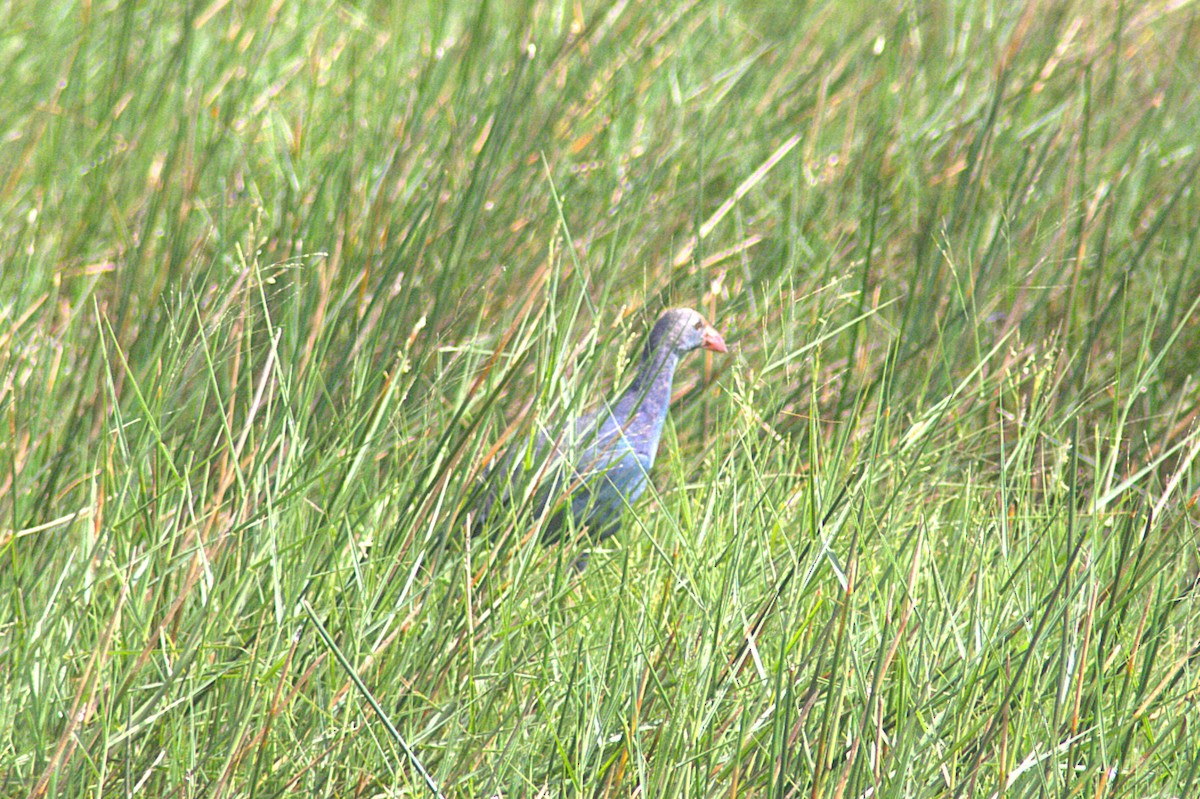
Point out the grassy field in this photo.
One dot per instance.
(278, 277)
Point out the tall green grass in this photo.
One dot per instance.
(278, 280)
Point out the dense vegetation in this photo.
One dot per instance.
(279, 278)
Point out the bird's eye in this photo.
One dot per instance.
(699, 324)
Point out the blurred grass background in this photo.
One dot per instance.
(277, 277)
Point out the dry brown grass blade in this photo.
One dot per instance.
(684, 253)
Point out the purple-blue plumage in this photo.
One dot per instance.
(600, 463)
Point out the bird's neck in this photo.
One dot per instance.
(650, 390)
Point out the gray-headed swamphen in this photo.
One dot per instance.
(597, 465)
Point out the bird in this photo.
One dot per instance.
(599, 463)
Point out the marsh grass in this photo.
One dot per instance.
(280, 280)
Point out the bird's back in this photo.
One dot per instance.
(592, 469)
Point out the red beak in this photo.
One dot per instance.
(710, 339)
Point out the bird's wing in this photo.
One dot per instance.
(595, 461)
(536, 464)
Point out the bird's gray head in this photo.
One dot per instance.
(683, 330)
